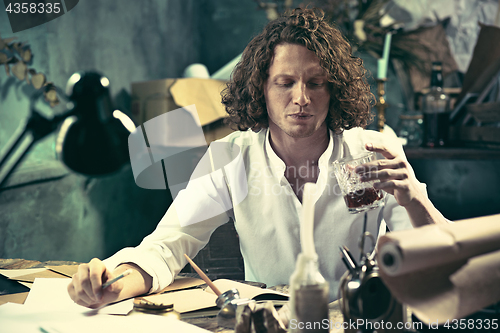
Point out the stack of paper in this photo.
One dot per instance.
(48, 308)
(17, 318)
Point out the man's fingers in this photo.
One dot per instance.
(77, 292)
(88, 282)
(373, 166)
(96, 272)
(85, 287)
(384, 175)
(84, 290)
(74, 296)
(380, 148)
(84, 300)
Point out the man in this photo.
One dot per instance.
(299, 98)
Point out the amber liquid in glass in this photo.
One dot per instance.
(362, 197)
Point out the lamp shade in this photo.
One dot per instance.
(92, 141)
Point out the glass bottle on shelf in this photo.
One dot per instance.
(410, 129)
(436, 110)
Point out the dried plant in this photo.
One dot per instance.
(360, 21)
(17, 57)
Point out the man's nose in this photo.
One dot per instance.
(301, 97)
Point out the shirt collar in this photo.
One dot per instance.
(276, 164)
(278, 167)
(327, 154)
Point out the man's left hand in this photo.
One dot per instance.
(395, 174)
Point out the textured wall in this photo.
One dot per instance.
(126, 40)
(228, 26)
(50, 213)
(70, 217)
(461, 188)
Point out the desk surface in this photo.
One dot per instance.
(22, 263)
(208, 323)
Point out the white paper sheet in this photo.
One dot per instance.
(49, 308)
(128, 324)
(17, 318)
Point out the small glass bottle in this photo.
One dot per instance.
(436, 110)
(309, 291)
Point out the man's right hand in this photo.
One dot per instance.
(86, 285)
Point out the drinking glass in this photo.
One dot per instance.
(359, 196)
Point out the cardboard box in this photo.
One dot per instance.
(153, 98)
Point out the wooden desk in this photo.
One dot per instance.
(22, 263)
(208, 323)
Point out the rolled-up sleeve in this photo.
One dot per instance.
(185, 228)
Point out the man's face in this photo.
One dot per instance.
(296, 92)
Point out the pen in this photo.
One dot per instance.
(348, 256)
(362, 244)
(122, 275)
(346, 263)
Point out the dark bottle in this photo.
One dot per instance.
(436, 110)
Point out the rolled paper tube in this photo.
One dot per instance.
(391, 258)
(443, 272)
(434, 245)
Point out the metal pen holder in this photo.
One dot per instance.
(228, 302)
(366, 301)
(381, 104)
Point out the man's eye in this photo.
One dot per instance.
(285, 84)
(316, 84)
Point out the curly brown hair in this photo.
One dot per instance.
(350, 96)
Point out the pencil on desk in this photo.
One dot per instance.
(122, 275)
(203, 276)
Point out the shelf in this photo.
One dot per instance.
(452, 153)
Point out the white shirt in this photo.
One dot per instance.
(266, 212)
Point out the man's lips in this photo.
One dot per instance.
(301, 116)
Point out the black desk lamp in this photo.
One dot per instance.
(93, 138)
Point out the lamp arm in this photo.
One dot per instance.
(35, 128)
(17, 147)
